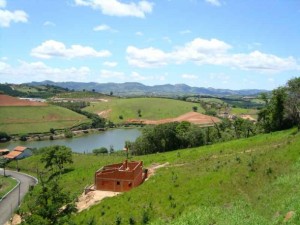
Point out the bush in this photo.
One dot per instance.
(4, 137)
(23, 137)
(102, 150)
(68, 134)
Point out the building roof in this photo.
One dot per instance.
(12, 154)
(20, 148)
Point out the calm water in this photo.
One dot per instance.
(115, 137)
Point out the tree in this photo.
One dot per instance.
(101, 150)
(293, 101)
(195, 108)
(56, 157)
(47, 204)
(111, 93)
(3, 163)
(4, 136)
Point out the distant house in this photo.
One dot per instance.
(120, 177)
(18, 153)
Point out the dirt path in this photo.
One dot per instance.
(104, 113)
(85, 201)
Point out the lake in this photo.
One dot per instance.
(114, 137)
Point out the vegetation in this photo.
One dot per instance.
(246, 181)
(283, 109)
(4, 136)
(99, 151)
(48, 203)
(23, 90)
(150, 108)
(23, 119)
(6, 184)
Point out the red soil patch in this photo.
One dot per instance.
(192, 117)
(6, 100)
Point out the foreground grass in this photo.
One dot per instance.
(6, 184)
(151, 108)
(37, 119)
(247, 181)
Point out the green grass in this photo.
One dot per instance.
(212, 100)
(151, 108)
(6, 184)
(240, 111)
(82, 94)
(247, 181)
(26, 119)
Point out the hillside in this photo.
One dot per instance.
(121, 110)
(138, 89)
(246, 181)
(37, 119)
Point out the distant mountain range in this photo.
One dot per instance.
(138, 89)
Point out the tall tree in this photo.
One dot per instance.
(293, 101)
(56, 157)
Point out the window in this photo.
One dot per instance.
(118, 182)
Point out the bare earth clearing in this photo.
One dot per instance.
(192, 117)
(6, 100)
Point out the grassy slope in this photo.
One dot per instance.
(151, 108)
(248, 181)
(82, 94)
(17, 120)
(6, 184)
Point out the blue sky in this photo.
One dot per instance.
(205, 43)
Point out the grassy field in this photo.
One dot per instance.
(6, 184)
(19, 119)
(246, 181)
(83, 94)
(240, 111)
(151, 108)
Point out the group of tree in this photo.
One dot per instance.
(175, 135)
(48, 203)
(282, 110)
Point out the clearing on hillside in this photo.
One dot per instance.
(6, 100)
(192, 117)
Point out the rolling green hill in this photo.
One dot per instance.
(37, 119)
(246, 181)
(150, 108)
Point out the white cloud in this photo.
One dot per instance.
(138, 33)
(39, 71)
(2, 3)
(185, 32)
(51, 48)
(110, 64)
(138, 77)
(117, 8)
(148, 57)
(49, 24)
(104, 27)
(209, 52)
(189, 76)
(112, 74)
(167, 39)
(214, 2)
(7, 17)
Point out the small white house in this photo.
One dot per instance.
(18, 153)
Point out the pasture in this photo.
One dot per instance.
(37, 119)
(120, 110)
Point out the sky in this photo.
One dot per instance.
(230, 44)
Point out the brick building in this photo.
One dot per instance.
(120, 177)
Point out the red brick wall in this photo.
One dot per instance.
(119, 180)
